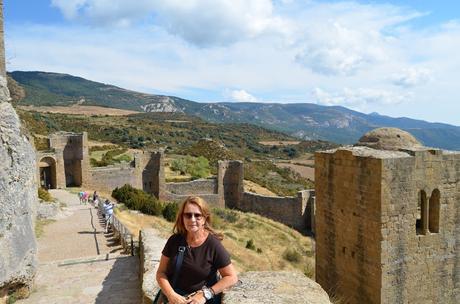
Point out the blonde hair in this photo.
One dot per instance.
(179, 226)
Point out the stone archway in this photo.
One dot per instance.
(47, 167)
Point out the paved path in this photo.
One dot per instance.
(79, 263)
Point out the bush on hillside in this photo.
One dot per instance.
(292, 255)
(197, 167)
(179, 165)
(170, 211)
(137, 199)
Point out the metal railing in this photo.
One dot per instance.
(120, 231)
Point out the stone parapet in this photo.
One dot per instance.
(196, 187)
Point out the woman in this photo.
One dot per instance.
(204, 255)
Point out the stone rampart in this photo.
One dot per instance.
(291, 211)
(108, 178)
(212, 199)
(196, 187)
(253, 287)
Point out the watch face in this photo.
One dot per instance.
(207, 294)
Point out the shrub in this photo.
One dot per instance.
(44, 195)
(250, 244)
(137, 199)
(179, 165)
(170, 211)
(227, 215)
(292, 255)
(196, 167)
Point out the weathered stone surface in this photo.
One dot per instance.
(387, 224)
(47, 210)
(275, 287)
(18, 196)
(151, 246)
(389, 139)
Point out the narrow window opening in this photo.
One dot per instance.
(434, 210)
(421, 223)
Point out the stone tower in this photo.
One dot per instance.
(388, 221)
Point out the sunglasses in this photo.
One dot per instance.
(189, 215)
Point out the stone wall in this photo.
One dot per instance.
(291, 211)
(421, 256)
(197, 187)
(106, 179)
(18, 194)
(347, 228)
(387, 225)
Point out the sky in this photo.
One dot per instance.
(396, 58)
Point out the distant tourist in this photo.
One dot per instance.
(95, 198)
(108, 211)
(85, 197)
(80, 196)
(203, 255)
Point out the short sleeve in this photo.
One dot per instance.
(171, 246)
(221, 257)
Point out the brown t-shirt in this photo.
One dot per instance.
(200, 263)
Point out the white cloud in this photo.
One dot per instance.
(200, 22)
(360, 98)
(240, 96)
(359, 56)
(411, 77)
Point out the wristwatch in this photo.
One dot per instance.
(207, 293)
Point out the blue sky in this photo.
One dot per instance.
(397, 58)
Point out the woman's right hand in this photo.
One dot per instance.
(176, 298)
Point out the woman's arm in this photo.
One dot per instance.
(229, 278)
(164, 284)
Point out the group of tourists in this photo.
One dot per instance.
(107, 207)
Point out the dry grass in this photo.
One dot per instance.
(270, 238)
(279, 143)
(79, 110)
(40, 226)
(304, 171)
(255, 188)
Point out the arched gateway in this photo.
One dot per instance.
(47, 166)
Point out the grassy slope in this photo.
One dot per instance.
(271, 237)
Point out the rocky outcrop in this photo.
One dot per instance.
(18, 196)
(275, 287)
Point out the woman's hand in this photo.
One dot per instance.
(176, 298)
(197, 298)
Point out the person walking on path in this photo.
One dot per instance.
(80, 196)
(108, 211)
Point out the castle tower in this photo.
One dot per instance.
(72, 154)
(230, 182)
(151, 175)
(388, 221)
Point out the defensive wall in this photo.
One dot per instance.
(388, 221)
(66, 163)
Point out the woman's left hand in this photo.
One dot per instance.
(198, 298)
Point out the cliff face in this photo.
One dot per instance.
(18, 193)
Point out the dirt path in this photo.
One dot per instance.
(79, 263)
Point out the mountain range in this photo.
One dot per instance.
(302, 120)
